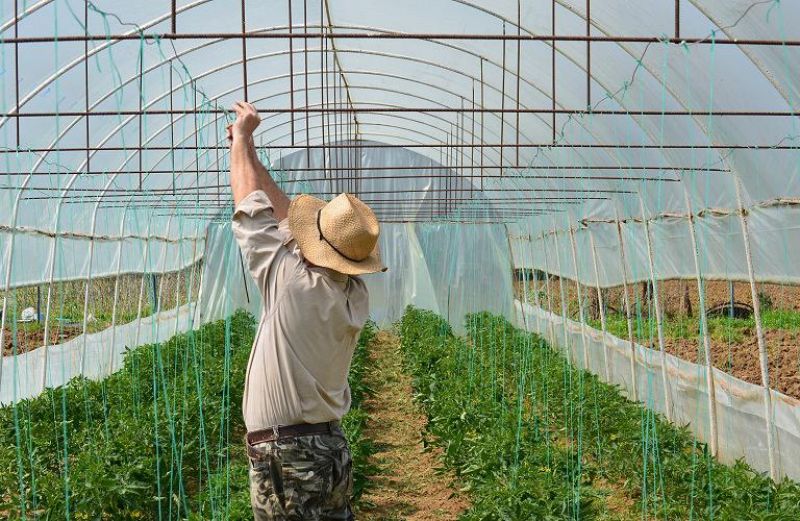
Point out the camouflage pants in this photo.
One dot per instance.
(304, 478)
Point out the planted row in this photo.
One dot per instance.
(535, 438)
(160, 439)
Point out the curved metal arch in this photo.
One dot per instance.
(490, 61)
(224, 66)
(169, 60)
(358, 87)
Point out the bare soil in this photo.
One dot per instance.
(741, 359)
(411, 483)
(28, 340)
(679, 297)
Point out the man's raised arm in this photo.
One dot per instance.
(247, 172)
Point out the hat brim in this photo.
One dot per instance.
(303, 225)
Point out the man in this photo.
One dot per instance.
(305, 257)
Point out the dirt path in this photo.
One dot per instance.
(410, 484)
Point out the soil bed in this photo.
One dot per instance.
(410, 484)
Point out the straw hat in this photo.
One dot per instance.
(341, 235)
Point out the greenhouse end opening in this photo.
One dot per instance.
(423, 260)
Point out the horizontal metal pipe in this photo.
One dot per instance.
(356, 110)
(377, 177)
(205, 190)
(344, 168)
(191, 198)
(399, 36)
(8, 150)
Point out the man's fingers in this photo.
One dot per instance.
(251, 107)
(238, 107)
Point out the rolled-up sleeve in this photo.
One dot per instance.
(262, 243)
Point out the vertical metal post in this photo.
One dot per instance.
(731, 298)
(524, 292)
(483, 126)
(513, 268)
(154, 282)
(600, 305)
(305, 80)
(10, 254)
(291, 71)
(116, 292)
(713, 441)
(548, 293)
(628, 314)
(657, 305)
(580, 297)
(536, 300)
(564, 309)
(519, 72)
(553, 70)
(763, 357)
(588, 55)
(503, 105)
(244, 51)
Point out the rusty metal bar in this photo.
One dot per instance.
(440, 199)
(553, 68)
(305, 79)
(403, 36)
(291, 71)
(611, 168)
(483, 126)
(588, 55)
(677, 19)
(431, 110)
(358, 145)
(171, 130)
(141, 116)
(86, 92)
(325, 150)
(518, 73)
(472, 137)
(173, 16)
(503, 102)
(244, 37)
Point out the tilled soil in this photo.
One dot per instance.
(409, 485)
(742, 361)
(30, 340)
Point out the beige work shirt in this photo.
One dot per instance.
(309, 326)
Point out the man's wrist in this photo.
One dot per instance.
(241, 136)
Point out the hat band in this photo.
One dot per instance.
(323, 238)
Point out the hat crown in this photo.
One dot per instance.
(350, 226)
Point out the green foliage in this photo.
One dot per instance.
(161, 438)
(534, 438)
(722, 329)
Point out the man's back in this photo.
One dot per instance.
(312, 317)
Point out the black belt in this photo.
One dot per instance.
(283, 432)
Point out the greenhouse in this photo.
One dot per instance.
(589, 211)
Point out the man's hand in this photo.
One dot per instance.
(247, 172)
(247, 120)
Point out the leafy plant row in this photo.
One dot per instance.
(532, 437)
(160, 439)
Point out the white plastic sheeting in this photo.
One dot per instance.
(740, 409)
(93, 356)
(424, 271)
